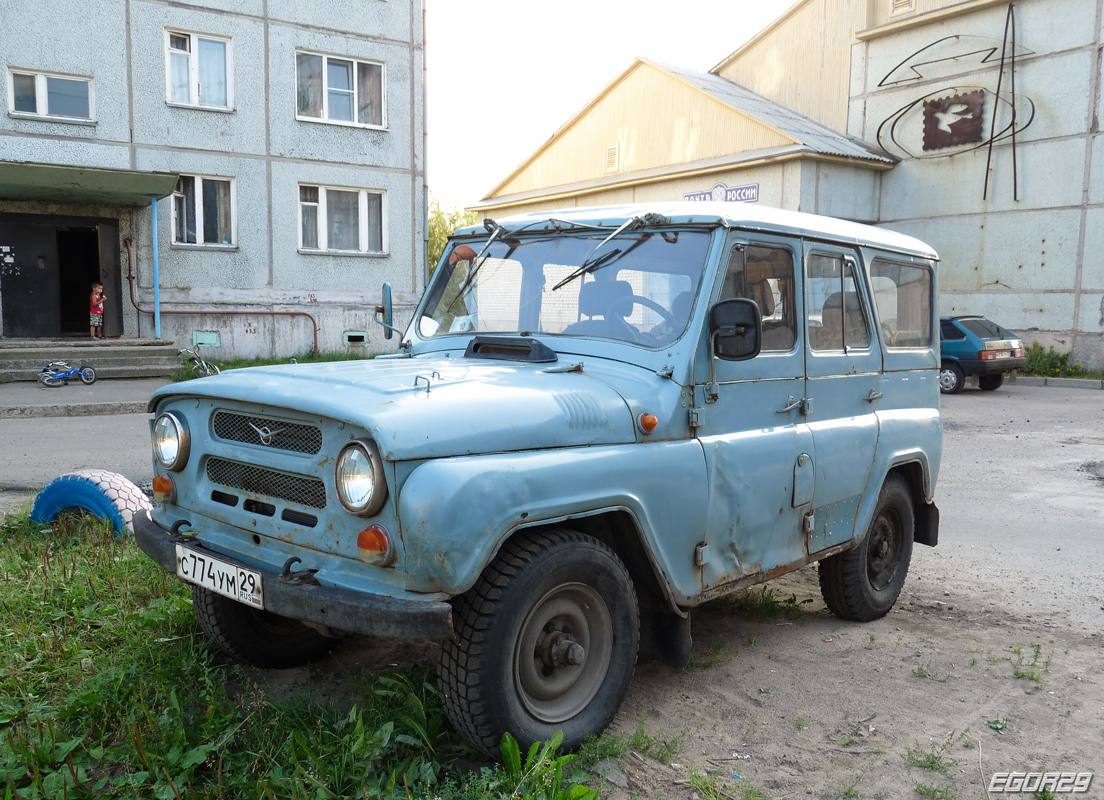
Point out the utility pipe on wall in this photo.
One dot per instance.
(156, 275)
(129, 244)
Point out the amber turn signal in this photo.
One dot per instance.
(374, 545)
(648, 422)
(164, 490)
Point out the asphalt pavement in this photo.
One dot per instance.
(47, 432)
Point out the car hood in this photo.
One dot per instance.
(433, 407)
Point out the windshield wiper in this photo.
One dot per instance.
(496, 231)
(590, 265)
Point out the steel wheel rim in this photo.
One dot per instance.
(947, 379)
(571, 613)
(884, 549)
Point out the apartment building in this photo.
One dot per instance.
(246, 173)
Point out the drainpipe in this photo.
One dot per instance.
(209, 311)
(156, 276)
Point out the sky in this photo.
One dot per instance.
(503, 75)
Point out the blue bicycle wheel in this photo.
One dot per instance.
(107, 495)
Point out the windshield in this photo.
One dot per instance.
(638, 288)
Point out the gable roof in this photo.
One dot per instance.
(807, 134)
(816, 137)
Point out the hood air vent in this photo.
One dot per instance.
(509, 348)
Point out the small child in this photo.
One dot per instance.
(95, 319)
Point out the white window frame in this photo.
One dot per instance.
(199, 243)
(362, 211)
(42, 101)
(194, 93)
(325, 118)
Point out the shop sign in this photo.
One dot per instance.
(749, 193)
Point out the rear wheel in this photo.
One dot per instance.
(257, 637)
(51, 380)
(864, 583)
(951, 378)
(991, 382)
(87, 375)
(546, 641)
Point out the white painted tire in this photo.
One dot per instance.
(106, 494)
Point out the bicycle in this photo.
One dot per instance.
(197, 363)
(59, 373)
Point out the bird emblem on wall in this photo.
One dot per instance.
(955, 120)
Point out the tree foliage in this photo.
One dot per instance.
(442, 222)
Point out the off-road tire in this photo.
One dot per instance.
(991, 382)
(951, 378)
(87, 375)
(105, 494)
(482, 672)
(853, 585)
(257, 637)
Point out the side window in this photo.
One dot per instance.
(765, 275)
(903, 296)
(951, 332)
(834, 308)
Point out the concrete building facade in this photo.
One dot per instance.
(283, 142)
(972, 124)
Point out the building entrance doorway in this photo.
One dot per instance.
(47, 267)
(78, 268)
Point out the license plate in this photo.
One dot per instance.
(237, 583)
(1003, 354)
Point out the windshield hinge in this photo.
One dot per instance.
(693, 418)
(667, 373)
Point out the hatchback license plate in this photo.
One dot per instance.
(1003, 354)
(243, 585)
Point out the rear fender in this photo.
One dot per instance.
(456, 512)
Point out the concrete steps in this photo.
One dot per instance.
(23, 359)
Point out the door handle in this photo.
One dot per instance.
(874, 395)
(790, 406)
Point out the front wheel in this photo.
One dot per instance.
(257, 637)
(864, 583)
(951, 378)
(546, 641)
(992, 382)
(87, 375)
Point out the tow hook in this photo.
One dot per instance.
(304, 577)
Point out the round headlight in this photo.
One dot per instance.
(359, 480)
(170, 442)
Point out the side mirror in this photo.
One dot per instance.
(385, 310)
(735, 329)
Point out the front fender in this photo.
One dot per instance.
(455, 513)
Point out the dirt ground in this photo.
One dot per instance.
(928, 696)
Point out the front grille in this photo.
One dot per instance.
(275, 433)
(295, 488)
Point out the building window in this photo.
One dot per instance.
(901, 6)
(203, 211)
(341, 220)
(339, 90)
(42, 94)
(198, 70)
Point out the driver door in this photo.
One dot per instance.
(757, 445)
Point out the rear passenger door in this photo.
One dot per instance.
(843, 366)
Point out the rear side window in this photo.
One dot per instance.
(903, 297)
(985, 329)
(835, 310)
(949, 331)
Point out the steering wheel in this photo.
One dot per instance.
(647, 302)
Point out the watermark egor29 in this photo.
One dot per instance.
(1056, 782)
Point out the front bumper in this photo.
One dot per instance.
(341, 609)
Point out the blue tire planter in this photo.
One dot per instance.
(107, 495)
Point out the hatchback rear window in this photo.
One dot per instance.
(985, 329)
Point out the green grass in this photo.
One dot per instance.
(764, 605)
(108, 689)
(241, 363)
(935, 792)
